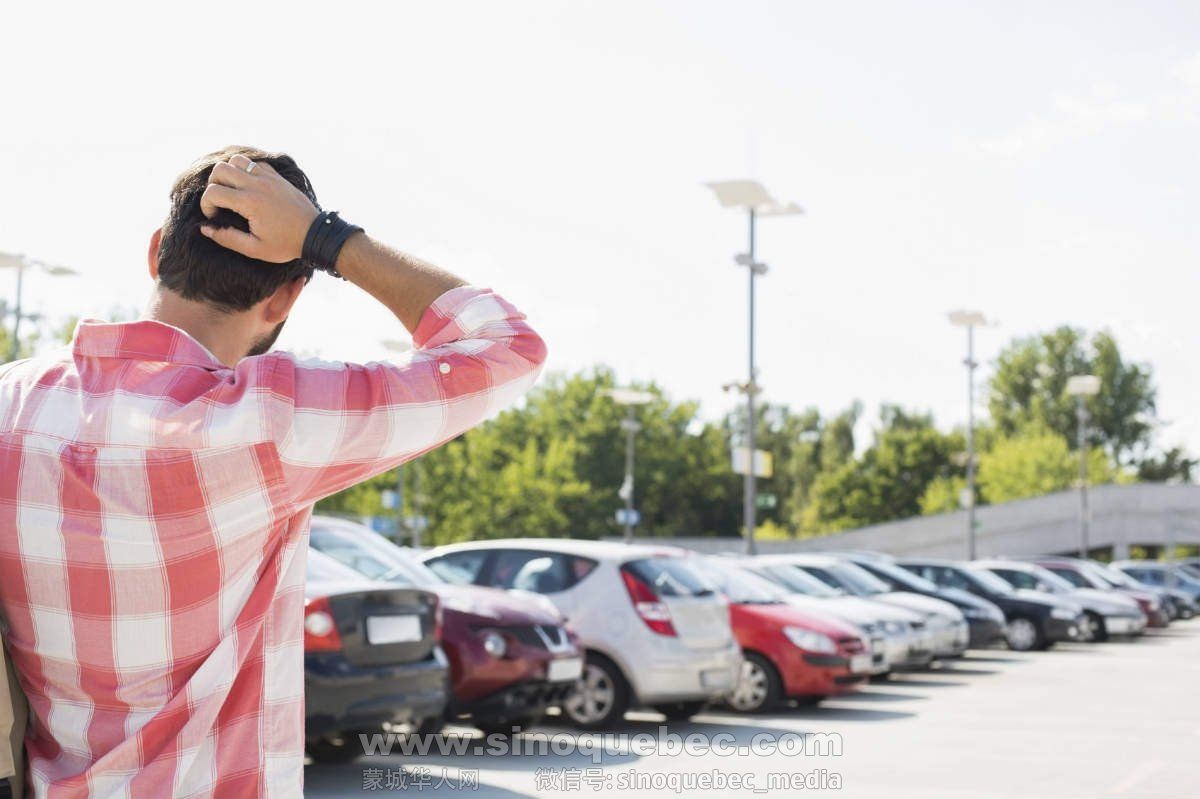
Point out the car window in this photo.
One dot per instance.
(1150, 576)
(741, 586)
(326, 569)
(983, 581)
(897, 578)
(539, 572)
(796, 580)
(1017, 578)
(669, 576)
(823, 575)
(1073, 577)
(462, 568)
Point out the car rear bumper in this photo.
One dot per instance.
(985, 633)
(340, 696)
(688, 675)
(515, 701)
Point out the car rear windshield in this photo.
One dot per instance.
(1071, 576)
(669, 576)
(742, 587)
(859, 580)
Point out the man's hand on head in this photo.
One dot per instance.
(279, 214)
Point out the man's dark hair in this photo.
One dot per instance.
(196, 267)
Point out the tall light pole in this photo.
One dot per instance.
(1081, 387)
(751, 197)
(630, 398)
(21, 263)
(970, 320)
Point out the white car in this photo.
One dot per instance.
(945, 624)
(655, 632)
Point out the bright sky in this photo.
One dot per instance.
(1036, 160)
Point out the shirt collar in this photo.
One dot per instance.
(143, 340)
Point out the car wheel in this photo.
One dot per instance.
(681, 711)
(1094, 630)
(332, 751)
(758, 687)
(1024, 635)
(522, 723)
(1186, 612)
(600, 697)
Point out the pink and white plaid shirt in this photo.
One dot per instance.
(154, 509)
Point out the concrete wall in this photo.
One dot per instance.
(1122, 516)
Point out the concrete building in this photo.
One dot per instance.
(1148, 515)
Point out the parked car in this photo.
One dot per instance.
(1170, 577)
(1178, 604)
(1033, 620)
(511, 657)
(1105, 613)
(985, 621)
(371, 658)
(1090, 574)
(653, 630)
(943, 621)
(898, 637)
(789, 653)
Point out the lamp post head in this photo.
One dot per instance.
(964, 318)
(630, 396)
(1083, 385)
(751, 196)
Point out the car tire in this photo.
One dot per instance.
(1024, 635)
(810, 700)
(335, 750)
(1097, 631)
(758, 688)
(681, 711)
(522, 723)
(600, 697)
(1185, 613)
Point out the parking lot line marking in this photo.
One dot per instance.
(1144, 770)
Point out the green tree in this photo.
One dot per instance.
(890, 478)
(1037, 463)
(1029, 389)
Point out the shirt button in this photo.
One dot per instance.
(444, 368)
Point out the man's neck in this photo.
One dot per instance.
(217, 332)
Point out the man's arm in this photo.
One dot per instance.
(335, 424)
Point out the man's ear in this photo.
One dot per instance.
(152, 255)
(277, 307)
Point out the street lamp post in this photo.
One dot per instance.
(630, 398)
(21, 263)
(970, 320)
(1081, 387)
(751, 197)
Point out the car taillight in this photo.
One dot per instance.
(654, 611)
(320, 629)
(437, 619)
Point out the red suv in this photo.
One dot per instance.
(789, 653)
(511, 657)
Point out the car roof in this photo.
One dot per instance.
(1141, 564)
(597, 550)
(802, 558)
(1002, 563)
(931, 562)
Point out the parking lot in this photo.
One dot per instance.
(1118, 719)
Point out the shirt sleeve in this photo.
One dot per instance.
(473, 355)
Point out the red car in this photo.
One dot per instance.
(511, 657)
(789, 653)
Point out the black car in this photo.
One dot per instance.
(984, 619)
(1033, 620)
(371, 658)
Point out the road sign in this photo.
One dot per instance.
(764, 465)
(388, 498)
(629, 517)
(767, 501)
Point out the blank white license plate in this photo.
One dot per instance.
(716, 678)
(564, 669)
(393, 629)
(860, 663)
